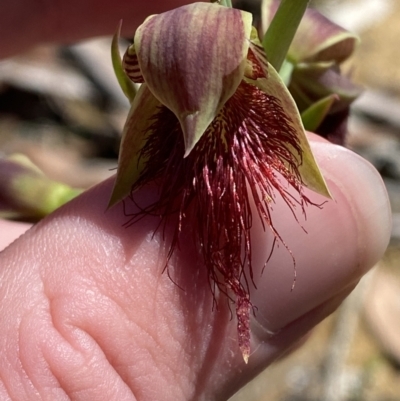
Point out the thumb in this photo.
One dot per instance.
(88, 314)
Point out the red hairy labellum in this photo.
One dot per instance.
(243, 159)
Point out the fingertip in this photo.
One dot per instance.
(362, 186)
(330, 248)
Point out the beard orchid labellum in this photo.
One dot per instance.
(215, 127)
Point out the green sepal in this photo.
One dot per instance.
(130, 164)
(314, 116)
(127, 86)
(273, 85)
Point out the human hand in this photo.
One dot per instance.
(88, 315)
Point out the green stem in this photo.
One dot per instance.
(226, 3)
(282, 29)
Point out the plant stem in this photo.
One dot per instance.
(282, 29)
(226, 3)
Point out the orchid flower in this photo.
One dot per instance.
(313, 74)
(216, 128)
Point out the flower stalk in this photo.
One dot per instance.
(226, 3)
(281, 31)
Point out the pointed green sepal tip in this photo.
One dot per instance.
(308, 169)
(193, 59)
(273, 85)
(125, 83)
(130, 164)
(192, 130)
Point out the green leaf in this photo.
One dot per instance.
(125, 83)
(281, 31)
(137, 125)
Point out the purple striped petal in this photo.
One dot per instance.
(193, 59)
(131, 65)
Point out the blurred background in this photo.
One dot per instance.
(63, 109)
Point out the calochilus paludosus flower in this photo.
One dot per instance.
(214, 126)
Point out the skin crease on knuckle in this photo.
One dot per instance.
(36, 355)
(46, 357)
(57, 341)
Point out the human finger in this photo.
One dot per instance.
(104, 321)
